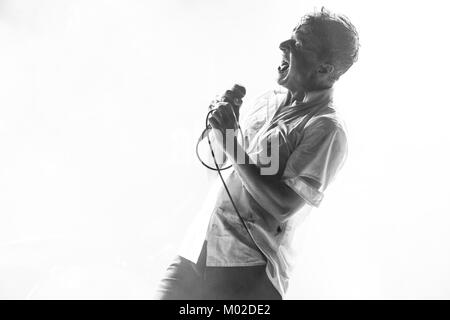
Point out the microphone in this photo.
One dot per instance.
(234, 96)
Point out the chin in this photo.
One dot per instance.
(284, 82)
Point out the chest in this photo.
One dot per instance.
(269, 140)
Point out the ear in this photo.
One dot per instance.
(325, 69)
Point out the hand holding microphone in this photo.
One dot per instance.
(224, 112)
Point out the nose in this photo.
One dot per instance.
(286, 45)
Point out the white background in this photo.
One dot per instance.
(100, 106)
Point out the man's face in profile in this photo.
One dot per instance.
(299, 61)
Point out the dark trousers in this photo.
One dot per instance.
(185, 280)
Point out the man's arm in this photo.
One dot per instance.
(311, 166)
(271, 193)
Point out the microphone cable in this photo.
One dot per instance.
(219, 170)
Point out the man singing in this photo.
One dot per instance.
(246, 252)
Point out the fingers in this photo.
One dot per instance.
(216, 117)
(214, 123)
(215, 104)
(223, 117)
(218, 104)
(223, 111)
(227, 111)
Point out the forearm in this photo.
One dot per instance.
(268, 190)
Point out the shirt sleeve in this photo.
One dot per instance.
(318, 157)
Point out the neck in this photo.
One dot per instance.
(300, 93)
(297, 95)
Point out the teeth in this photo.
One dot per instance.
(284, 66)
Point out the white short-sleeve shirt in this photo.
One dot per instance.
(312, 145)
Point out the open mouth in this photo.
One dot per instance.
(284, 66)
